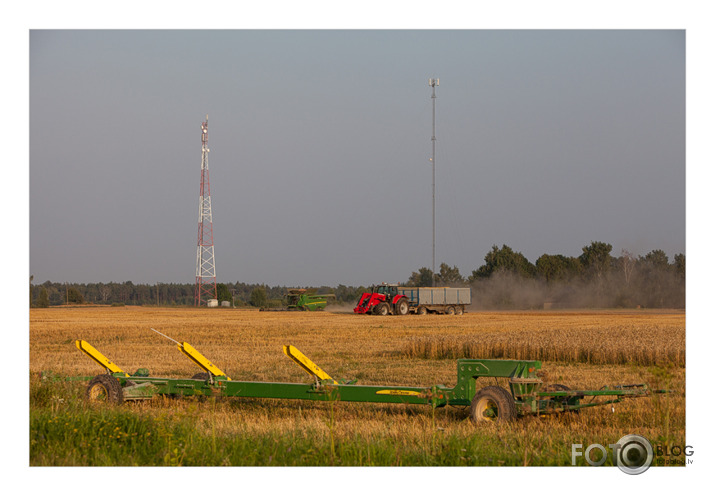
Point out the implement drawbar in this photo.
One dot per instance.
(526, 394)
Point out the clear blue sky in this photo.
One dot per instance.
(320, 146)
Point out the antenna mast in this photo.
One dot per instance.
(205, 265)
(433, 83)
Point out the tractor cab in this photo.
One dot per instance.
(390, 291)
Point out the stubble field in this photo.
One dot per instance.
(584, 350)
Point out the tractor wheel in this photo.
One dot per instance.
(402, 307)
(421, 310)
(449, 310)
(104, 388)
(492, 404)
(202, 376)
(382, 309)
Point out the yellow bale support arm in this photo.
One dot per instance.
(306, 364)
(200, 360)
(95, 355)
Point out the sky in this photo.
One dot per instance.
(320, 146)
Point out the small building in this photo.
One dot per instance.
(212, 303)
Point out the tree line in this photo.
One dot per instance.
(506, 280)
(596, 278)
(171, 294)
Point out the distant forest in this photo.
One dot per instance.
(507, 280)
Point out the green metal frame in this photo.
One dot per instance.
(524, 385)
(307, 302)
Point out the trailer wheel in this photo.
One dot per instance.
(104, 388)
(460, 310)
(492, 404)
(382, 309)
(421, 310)
(402, 307)
(449, 310)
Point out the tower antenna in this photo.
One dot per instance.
(433, 83)
(205, 264)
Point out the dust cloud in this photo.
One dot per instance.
(509, 291)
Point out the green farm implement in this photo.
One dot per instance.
(299, 299)
(474, 388)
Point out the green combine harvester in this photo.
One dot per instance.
(299, 299)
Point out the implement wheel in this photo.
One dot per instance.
(492, 404)
(402, 307)
(421, 310)
(104, 389)
(449, 310)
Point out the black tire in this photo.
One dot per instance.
(449, 310)
(104, 388)
(460, 310)
(402, 307)
(202, 376)
(382, 309)
(492, 404)
(421, 311)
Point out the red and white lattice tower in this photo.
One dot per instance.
(205, 264)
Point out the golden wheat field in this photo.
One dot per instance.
(584, 350)
(247, 344)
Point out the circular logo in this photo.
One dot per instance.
(634, 455)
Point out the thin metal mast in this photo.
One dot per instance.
(205, 264)
(433, 83)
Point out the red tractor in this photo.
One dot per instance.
(383, 300)
(390, 299)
